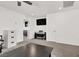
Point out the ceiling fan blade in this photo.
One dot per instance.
(28, 2)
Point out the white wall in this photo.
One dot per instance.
(10, 20)
(34, 28)
(63, 27)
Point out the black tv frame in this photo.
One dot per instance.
(41, 21)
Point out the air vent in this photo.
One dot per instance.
(68, 3)
(28, 2)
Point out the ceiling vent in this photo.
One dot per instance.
(68, 3)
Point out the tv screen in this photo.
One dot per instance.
(41, 21)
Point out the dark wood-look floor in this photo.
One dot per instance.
(30, 50)
(59, 49)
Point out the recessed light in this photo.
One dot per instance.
(60, 8)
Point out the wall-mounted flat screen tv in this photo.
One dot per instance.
(41, 21)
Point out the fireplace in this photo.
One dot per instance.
(40, 35)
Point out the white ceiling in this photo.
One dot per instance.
(38, 9)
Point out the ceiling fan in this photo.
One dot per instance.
(27, 2)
